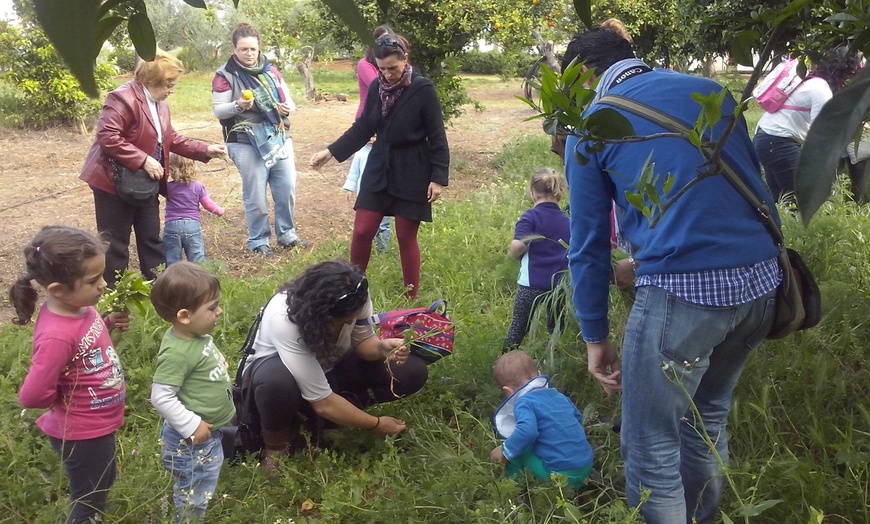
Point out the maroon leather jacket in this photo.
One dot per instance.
(126, 132)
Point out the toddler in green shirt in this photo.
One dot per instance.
(191, 389)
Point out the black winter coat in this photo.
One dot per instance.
(411, 147)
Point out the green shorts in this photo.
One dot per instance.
(530, 462)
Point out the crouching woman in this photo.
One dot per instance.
(315, 364)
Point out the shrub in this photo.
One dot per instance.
(484, 62)
(125, 59)
(51, 95)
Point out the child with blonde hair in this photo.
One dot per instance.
(541, 237)
(182, 231)
(542, 428)
(75, 372)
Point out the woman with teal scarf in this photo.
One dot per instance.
(253, 104)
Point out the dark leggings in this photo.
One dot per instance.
(365, 227)
(526, 301)
(91, 468)
(279, 403)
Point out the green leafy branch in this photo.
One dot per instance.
(132, 291)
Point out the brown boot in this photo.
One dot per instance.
(276, 444)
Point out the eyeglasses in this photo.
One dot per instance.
(390, 41)
(345, 304)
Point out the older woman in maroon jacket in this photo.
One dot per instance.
(135, 131)
(408, 166)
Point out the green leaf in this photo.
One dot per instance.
(635, 200)
(199, 4)
(668, 185)
(570, 74)
(349, 13)
(789, 11)
(108, 6)
(584, 11)
(609, 124)
(742, 45)
(754, 510)
(828, 136)
(841, 17)
(142, 35)
(105, 28)
(551, 125)
(71, 25)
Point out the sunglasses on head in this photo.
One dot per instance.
(390, 41)
(347, 303)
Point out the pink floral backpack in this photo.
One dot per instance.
(429, 331)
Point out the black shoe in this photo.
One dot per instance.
(301, 244)
(264, 251)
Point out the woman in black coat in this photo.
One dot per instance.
(407, 167)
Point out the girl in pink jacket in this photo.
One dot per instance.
(75, 373)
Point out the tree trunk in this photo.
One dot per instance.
(546, 50)
(710, 66)
(304, 68)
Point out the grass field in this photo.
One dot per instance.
(800, 427)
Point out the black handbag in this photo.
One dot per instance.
(134, 187)
(798, 300)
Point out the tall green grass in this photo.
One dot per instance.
(800, 428)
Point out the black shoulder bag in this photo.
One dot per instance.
(247, 438)
(798, 300)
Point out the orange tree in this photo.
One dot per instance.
(439, 32)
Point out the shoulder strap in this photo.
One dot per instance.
(672, 124)
(248, 345)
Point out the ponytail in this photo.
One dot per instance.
(23, 297)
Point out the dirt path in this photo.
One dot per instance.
(39, 177)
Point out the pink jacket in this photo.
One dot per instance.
(76, 374)
(126, 132)
(366, 73)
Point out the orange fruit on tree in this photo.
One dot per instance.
(496, 26)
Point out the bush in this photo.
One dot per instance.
(51, 95)
(125, 59)
(484, 62)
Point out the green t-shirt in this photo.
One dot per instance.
(199, 370)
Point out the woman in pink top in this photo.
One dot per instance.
(367, 69)
(75, 372)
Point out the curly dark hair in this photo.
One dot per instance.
(311, 298)
(837, 67)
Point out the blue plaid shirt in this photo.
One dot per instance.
(719, 287)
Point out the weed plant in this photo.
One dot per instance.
(800, 427)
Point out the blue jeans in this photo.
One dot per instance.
(183, 236)
(675, 352)
(382, 239)
(281, 179)
(195, 469)
(779, 157)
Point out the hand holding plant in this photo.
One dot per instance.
(131, 291)
(119, 320)
(395, 350)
